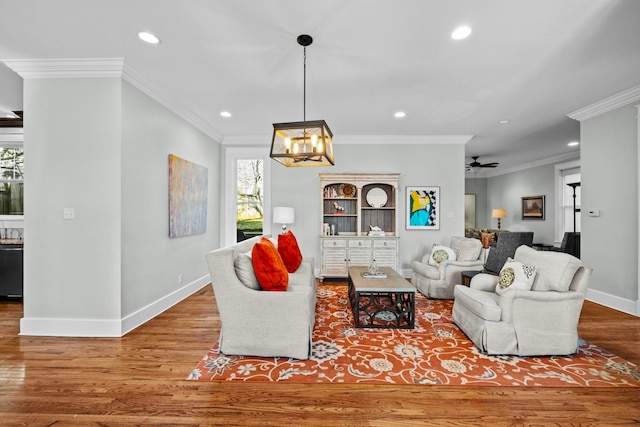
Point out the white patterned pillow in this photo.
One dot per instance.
(439, 254)
(515, 275)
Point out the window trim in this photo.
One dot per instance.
(12, 138)
(559, 210)
(228, 214)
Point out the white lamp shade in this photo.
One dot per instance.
(284, 215)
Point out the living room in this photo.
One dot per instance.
(100, 145)
(132, 155)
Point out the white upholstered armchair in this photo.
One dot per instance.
(536, 322)
(437, 279)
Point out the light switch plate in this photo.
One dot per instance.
(69, 213)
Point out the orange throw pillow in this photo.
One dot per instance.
(268, 266)
(289, 251)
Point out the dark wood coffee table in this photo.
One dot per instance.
(381, 303)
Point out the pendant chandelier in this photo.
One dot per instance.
(305, 143)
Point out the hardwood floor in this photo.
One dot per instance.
(140, 380)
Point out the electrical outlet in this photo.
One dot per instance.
(68, 213)
(179, 279)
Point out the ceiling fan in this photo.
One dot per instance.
(476, 165)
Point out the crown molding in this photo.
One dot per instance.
(611, 103)
(542, 162)
(66, 68)
(135, 77)
(107, 67)
(257, 140)
(402, 139)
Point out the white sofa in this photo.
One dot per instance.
(536, 322)
(261, 323)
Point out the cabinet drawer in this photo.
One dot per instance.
(385, 243)
(360, 243)
(334, 243)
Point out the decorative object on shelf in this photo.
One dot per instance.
(305, 143)
(423, 208)
(377, 197)
(533, 207)
(498, 213)
(374, 230)
(347, 190)
(338, 208)
(284, 215)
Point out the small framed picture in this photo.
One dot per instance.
(423, 208)
(533, 207)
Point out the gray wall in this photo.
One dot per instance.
(100, 146)
(72, 143)
(478, 186)
(506, 191)
(609, 147)
(419, 165)
(151, 262)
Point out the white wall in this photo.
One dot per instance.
(610, 184)
(100, 146)
(419, 165)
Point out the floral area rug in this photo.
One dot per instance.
(435, 352)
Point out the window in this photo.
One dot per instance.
(11, 180)
(231, 179)
(249, 200)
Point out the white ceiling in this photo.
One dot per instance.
(531, 62)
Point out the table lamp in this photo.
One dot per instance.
(499, 213)
(284, 215)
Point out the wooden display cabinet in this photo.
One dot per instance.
(351, 204)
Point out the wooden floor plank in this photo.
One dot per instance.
(140, 380)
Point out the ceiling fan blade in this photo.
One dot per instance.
(489, 165)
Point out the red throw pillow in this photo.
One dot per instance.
(268, 266)
(289, 251)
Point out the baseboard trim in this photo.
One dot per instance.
(55, 327)
(617, 303)
(107, 327)
(147, 313)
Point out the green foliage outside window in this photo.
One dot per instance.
(11, 185)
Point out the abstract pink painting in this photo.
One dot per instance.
(187, 197)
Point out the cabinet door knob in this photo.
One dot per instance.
(359, 243)
(385, 243)
(334, 243)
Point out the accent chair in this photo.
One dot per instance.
(437, 280)
(516, 321)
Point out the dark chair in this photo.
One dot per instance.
(240, 236)
(570, 244)
(508, 242)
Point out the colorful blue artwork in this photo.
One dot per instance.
(423, 208)
(187, 197)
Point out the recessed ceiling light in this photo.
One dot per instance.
(573, 144)
(461, 33)
(399, 114)
(504, 122)
(148, 37)
(225, 114)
